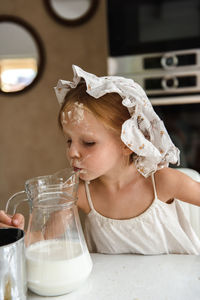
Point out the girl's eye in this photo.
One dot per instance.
(69, 142)
(89, 144)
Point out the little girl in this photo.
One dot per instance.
(122, 150)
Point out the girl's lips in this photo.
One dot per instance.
(76, 169)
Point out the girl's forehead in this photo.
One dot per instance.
(78, 115)
(85, 125)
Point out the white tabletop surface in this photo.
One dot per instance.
(137, 277)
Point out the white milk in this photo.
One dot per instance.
(54, 270)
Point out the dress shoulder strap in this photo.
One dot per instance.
(87, 190)
(154, 186)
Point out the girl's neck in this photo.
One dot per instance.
(118, 180)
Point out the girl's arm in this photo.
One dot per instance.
(172, 183)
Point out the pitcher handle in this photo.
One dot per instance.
(14, 201)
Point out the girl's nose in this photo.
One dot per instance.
(73, 151)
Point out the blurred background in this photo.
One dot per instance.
(34, 40)
(149, 41)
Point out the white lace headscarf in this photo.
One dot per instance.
(144, 133)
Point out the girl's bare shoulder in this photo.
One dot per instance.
(170, 177)
(172, 183)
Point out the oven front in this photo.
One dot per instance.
(149, 26)
(157, 43)
(183, 125)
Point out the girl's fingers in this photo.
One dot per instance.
(5, 219)
(2, 225)
(18, 221)
(11, 221)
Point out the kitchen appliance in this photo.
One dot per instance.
(157, 43)
(13, 282)
(183, 124)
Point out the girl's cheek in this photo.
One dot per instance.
(85, 158)
(67, 155)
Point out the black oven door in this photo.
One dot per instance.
(147, 26)
(183, 125)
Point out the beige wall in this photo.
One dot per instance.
(30, 141)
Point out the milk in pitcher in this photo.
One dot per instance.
(55, 268)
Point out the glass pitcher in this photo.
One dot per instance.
(57, 256)
(65, 179)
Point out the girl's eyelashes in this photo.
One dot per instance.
(85, 143)
(68, 141)
(89, 144)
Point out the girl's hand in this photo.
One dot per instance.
(16, 220)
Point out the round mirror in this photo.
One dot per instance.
(21, 55)
(72, 12)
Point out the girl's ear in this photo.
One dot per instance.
(126, 150)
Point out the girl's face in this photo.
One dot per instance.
(92, 149)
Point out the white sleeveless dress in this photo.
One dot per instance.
(162, 229)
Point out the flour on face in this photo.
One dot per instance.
(63, 119)
(79, 162)
(75, 115)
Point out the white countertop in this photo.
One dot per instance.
(137, 277)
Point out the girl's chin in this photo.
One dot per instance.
(86, 177)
